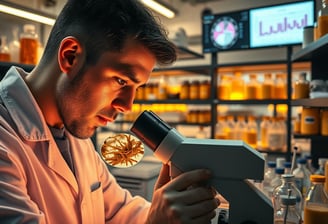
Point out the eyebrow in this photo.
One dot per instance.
(127, 70)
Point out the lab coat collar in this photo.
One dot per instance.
(30, 123)
(22, 107)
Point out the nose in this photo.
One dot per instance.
(123, 102)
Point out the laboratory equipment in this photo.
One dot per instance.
(247, 204)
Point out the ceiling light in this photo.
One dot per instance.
(160, 7)
(26, 13)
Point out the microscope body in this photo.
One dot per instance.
(232, 163)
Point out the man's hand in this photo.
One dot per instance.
(183, 200)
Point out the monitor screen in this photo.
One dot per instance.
(270, 26)
(280, 25)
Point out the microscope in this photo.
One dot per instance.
(232, 162)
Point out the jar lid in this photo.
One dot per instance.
(288, 200)
(317, 178)
(288, 176)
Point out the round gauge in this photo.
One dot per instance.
(224, 32)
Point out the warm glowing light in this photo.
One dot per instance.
(159, 8)
(27, 15)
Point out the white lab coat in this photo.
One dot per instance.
(36, 184)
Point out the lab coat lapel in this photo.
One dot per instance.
(57, 163)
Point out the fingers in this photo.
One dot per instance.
(192, 195)
(188, 179)
(201, 212)
(164, 176)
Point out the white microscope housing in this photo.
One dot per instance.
(232, 162)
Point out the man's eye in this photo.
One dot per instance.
(121, 81)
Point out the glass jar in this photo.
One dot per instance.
(267, 87)
(231, 124)
(220, 128)
(302, 176)
(288, 213)
(224, 88)
(251, 131)
(324, 122)
(237, 87)
(264, 127)
(205, 90)
(194, 90)
(240, 128)
(316, 202)
(29, 45)
(310, 120)
(287, 187)
(322, 19)
(280, 87)
(184, 94)
(252, 87)
(275, 135)
(301, 87)
(4, 50)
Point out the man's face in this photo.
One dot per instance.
(98, 93)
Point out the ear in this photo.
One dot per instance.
(70, 55)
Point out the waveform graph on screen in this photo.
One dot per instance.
(280, 25)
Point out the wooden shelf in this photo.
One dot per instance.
(317, 102)
(262, 67)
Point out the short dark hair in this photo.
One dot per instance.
(105, 25)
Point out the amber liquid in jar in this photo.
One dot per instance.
(29, 51)
(280, 87)
(194, 90)
(5, 57)
(267, 87)
(315, 214)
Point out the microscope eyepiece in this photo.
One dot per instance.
(150, 129)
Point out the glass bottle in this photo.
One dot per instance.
(280, 161)
(4, 50)
(326, 175)
(316, 202)
(275, 135)
(301, 87)
(14, 46)
(287, 166)
(252, 87)
(264, 127)
(288, 213)
(280, 87)
(322, 19)
(29, 45)
(283, 127)
(277, 180)
(161, 90)
(220, 128)
(321, 169)
(302, 176)
(201, 133)
(224, 87)
(237, 87)
(194, 90)
(267, 87)
(205, 89)
(287, 187)
(231, 127)
(240, 128)
(251, 131)
(268, 177)
(184, 94)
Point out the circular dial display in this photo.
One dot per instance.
(224, 32)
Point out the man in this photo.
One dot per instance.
(97, 55)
